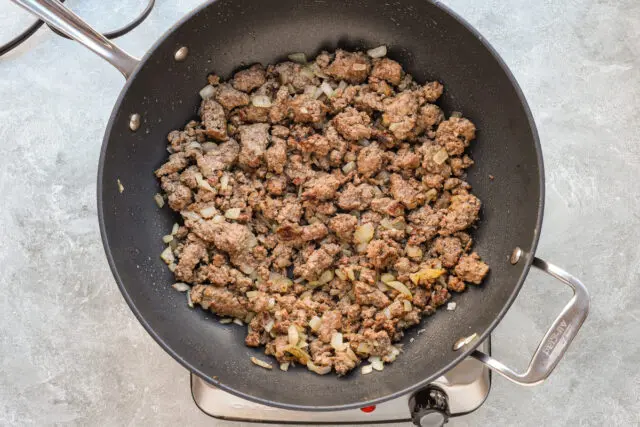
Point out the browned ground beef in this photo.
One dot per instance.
(299, 208)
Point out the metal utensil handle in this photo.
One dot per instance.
(56, 14)
(557, 339)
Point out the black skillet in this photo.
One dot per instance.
(161, 94)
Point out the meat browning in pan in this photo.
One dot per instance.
(323, 204)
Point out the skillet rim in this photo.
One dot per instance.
(422, 383)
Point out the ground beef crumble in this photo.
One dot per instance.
(299, 208)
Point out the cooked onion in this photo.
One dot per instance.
(207, 147)
(167, 255)
(300, 58)
(120, 186)
(175, 228)
(181, 287)
(363, 348)
(315, 323)
(261, 101)
(284, 366)
(376, 363)
(341, 275)
(336, 342)
(364, 233)
(189, 302)
(320, 370)
(407, 305)
(327, 89)
(294, 337)
(317, 93)
(269, 325)
(431, 195)
(414, 252)
(302, 356)
(326, 277)
(195, 145)
(349, 167)
(208, 212)
(441, 156)
(233, 213)
(426, 275)
(224, 182)
(317, 71)
(451, 306)
(218, 219)
(207, 92)
(367, 369)
(167, 239)
(378, 52)
(387, 312)
(261, 363)
(249, 318)
(172, 267)
(400, 287)
(359, 67)
(387, 277)
(190, 215)
(159, 200)
(202, 183)
(226, 320)
(307, 72)
(252, 294)
(342, 85)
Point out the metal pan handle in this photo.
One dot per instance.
(557, 339)
(59, 16)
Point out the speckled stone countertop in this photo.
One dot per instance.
(71, 352)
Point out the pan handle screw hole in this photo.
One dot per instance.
(181, 54)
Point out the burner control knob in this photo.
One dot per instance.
(429, 408)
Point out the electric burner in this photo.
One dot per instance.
(458, 392)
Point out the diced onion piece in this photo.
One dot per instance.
(195, 145)
(363, 348)
(315, 323)
(414, 252)
(336, 341)
(284, 366)
(349, 167)
(327, 89)
(317, 93)
(364, 233)
(387, 277)
(351, 275)
(387, 312)
(190, 215)
(320, 370)
(167, 255)
(269, 325)
(246, 269)
(261, 363)
(175, 228)
(299, 57)
(252, 294)
(238, 321)
(392, 355)
(393, 224)
(400, 287)
(226, 320)
(382, 287)
(272, 303)
(207, 92)
(203, 183)
(233, 213)
(302, 356)
(207, 147)
(189, 301)
(342, 85)
(366, 369)
(224, 182)
(426, 275)
(317, 71)
(378, 52)
(376, 363)
(294, 337)
(120, 186)
(261, 101)
(451, 306)
(407, 305)
(218, 219)
(307, 72)
(208, 212)
(359, 67)
(249, 318)
(310, 91)
(362, 247)
(159, 200)
(167, 239)
(326, 276)
(341, 275)
(172, 267)
(181, 287)
(441, 156)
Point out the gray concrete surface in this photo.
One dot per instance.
(72, 353)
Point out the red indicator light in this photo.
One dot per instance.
(368, 409)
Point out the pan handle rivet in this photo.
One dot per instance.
(181, 54)
(134, 122)
(515, 256)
